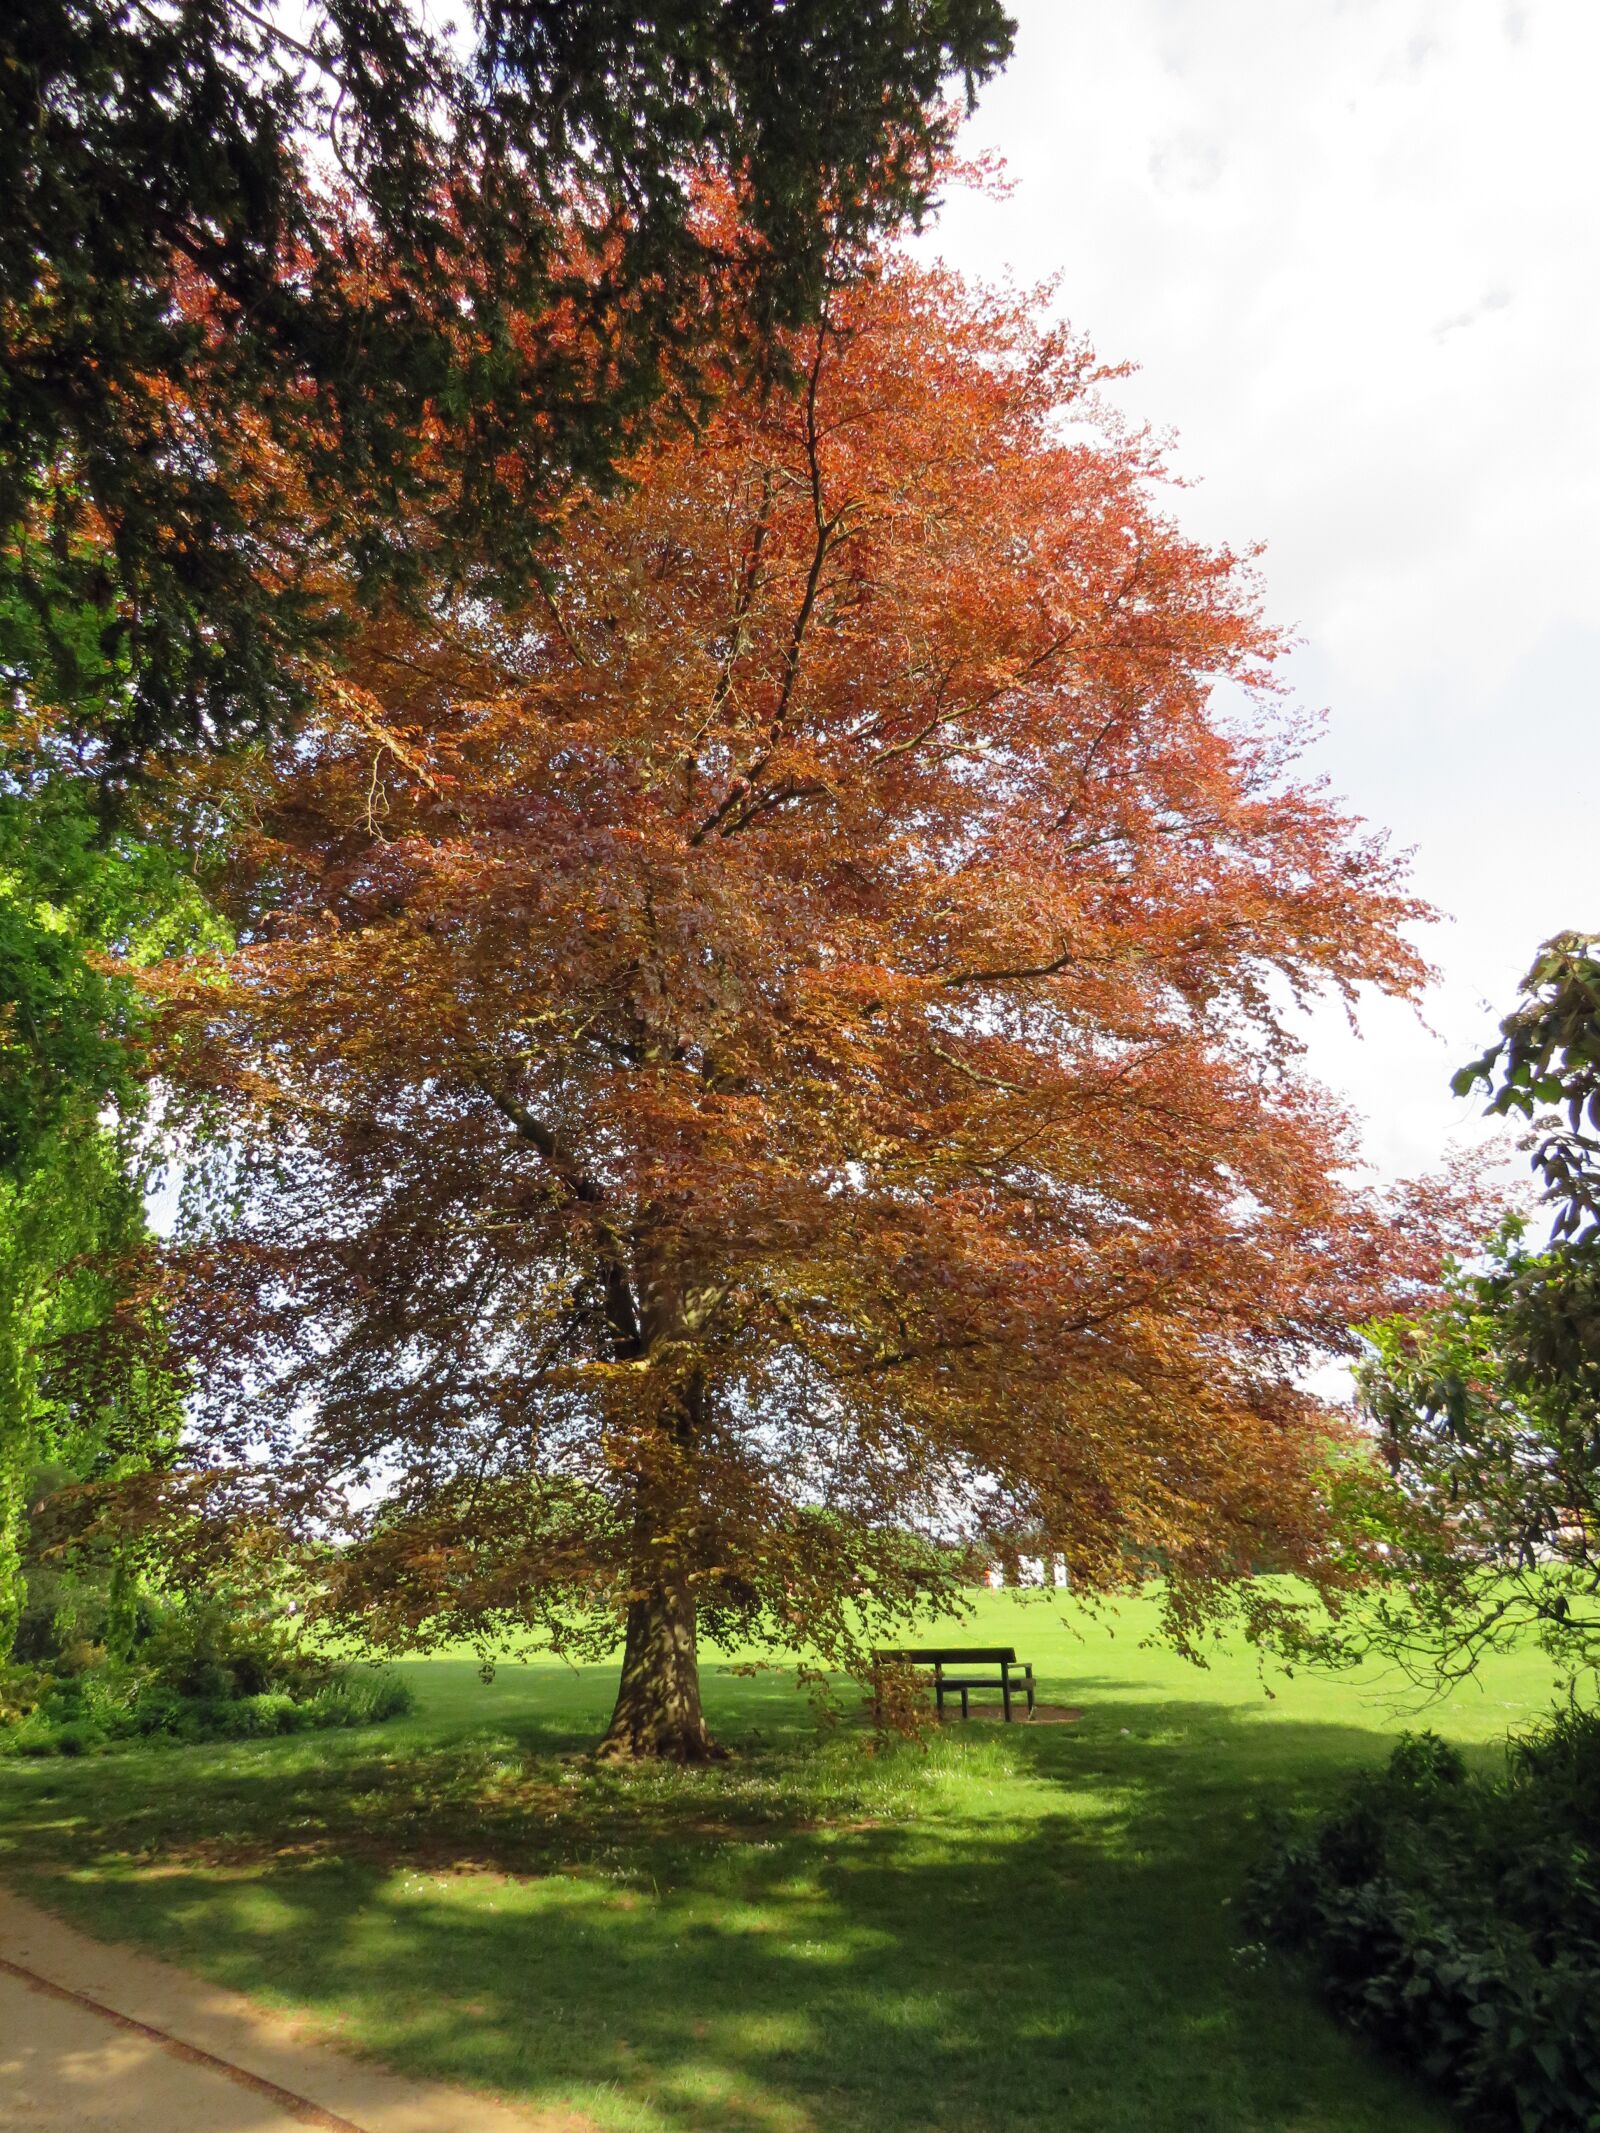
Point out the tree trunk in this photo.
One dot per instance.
(658, 1715)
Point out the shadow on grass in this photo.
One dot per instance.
(1016, 1929)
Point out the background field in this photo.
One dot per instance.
(1011, 1929)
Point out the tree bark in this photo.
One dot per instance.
(658, 1715)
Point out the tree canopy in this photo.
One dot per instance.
(1548, 1053)
(444, 280)
(1487, 1408)
(775, 1056)
(1487, 1405)
(78, 914)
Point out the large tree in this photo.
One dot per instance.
(779, 1056)
(445, 277)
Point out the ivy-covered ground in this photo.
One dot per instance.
(1008, 1930)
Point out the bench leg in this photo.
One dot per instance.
(964, 1710)
(1005, 1693)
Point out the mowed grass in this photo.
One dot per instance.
(1008, 1930)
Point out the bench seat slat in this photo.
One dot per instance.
(954, 1655)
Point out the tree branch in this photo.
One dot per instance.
(622, 1313)
(949, 718)
(1015, 974)
(972, 1073)
(744, 600)
(826, 527)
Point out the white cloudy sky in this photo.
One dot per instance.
(1352, 245)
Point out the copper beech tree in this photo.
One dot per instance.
(773, 1061)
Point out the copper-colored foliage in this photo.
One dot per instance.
(783, 1044)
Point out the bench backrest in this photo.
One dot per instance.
(954, 1655)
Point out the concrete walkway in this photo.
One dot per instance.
(97, 2039)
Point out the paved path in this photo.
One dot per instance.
(97, 2039)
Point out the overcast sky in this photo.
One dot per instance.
(1352, 246)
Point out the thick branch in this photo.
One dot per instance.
(1014, 974)
(538, 1135)
(826, 527)
(765, 803)
(622, 1312)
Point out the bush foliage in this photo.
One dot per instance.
(198, 1671)
(1455, 1920)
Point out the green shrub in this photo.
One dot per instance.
(1456, 1920)
(43, 1734)
(215, 1650)
(360, 1698)
(33, 1736)
(276, 1712)
(257, 1717)
(22, 1688)
(77, 1736)
(85, 1713)
(155, 1709)
(200, 1671)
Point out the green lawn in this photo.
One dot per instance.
(1020, 1928)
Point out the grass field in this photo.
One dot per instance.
(1013, 1929)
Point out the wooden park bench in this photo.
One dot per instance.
(1006, 1674)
